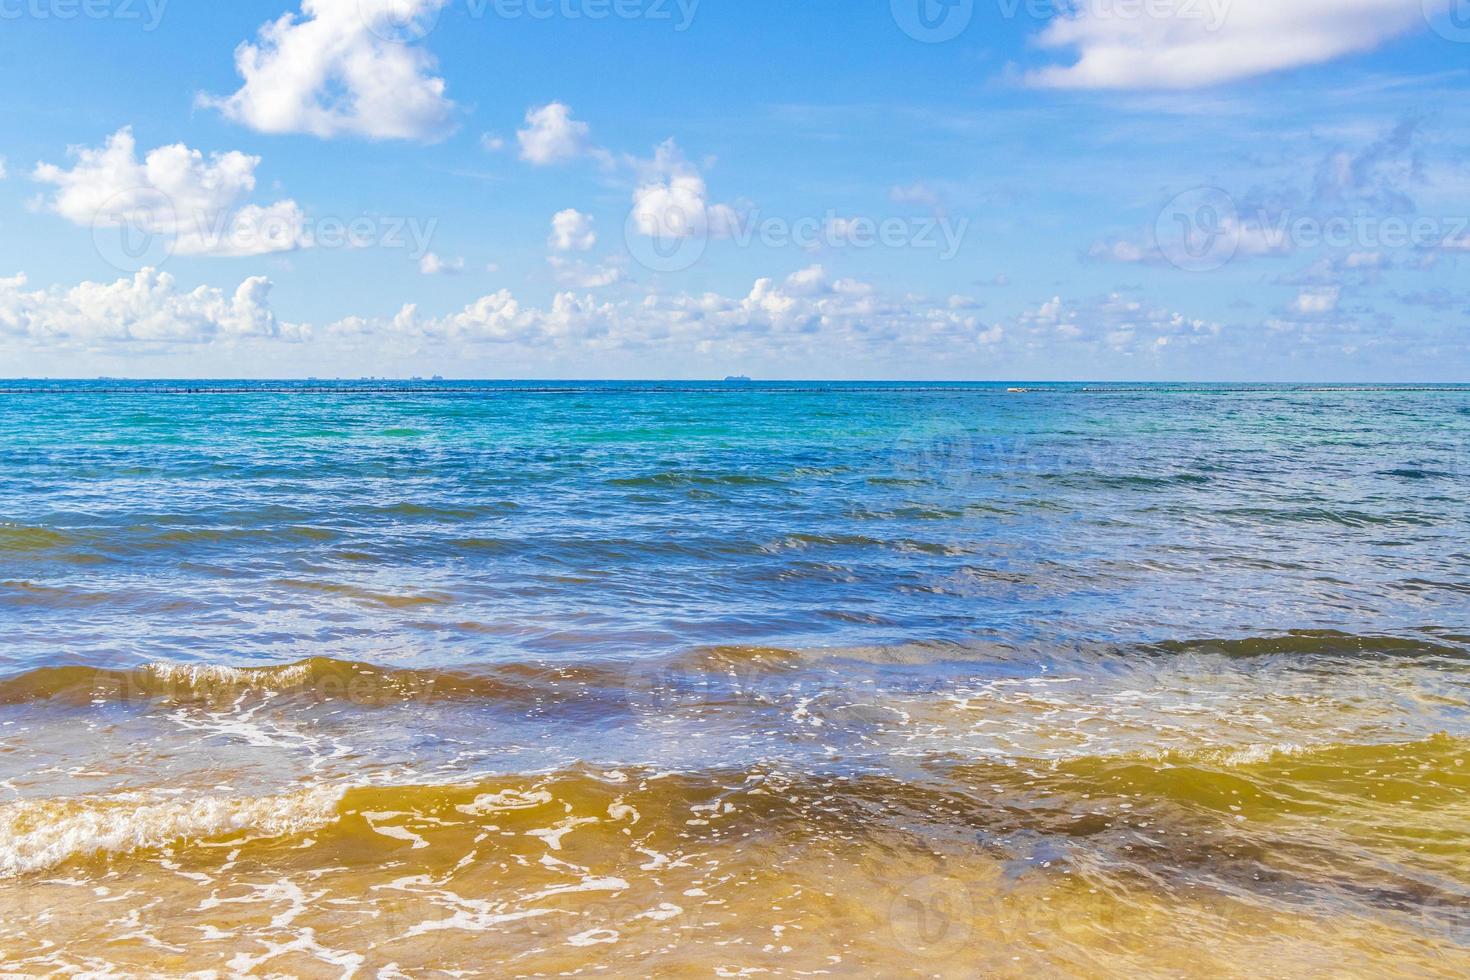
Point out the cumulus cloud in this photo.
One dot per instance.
(432, 264)
(1122, 250)
(495, 318)
(552, 135)
(1316, 302)
(671, 200)
(571, 231)
(341, 67)
(809, 313)
(1114, 323)
(174, 191)
(808, 309)
(584, 275)
(1180, 44)
(1357, 202)
(148, 308)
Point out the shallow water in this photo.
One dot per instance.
(842, 680)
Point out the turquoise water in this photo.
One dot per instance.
(356, 678)
(443, 525)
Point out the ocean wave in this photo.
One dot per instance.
(40, 834)
(1404, 801)
(1322, 643)
(907, 668)
(316, 680)
(28, 538)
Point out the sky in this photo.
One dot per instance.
(1212, 190)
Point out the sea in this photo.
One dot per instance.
(453, 679)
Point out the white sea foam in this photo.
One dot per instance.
(37, 834)
(193, 676)
(508, 799)
(1257, 754)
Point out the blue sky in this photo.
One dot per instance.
(1115, 189)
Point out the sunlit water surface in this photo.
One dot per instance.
(680, 680)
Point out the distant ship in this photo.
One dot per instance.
(737, 379)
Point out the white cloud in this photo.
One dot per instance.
(148, 308)
(552, 135)
(435, 265)
(497, 317)
(917, 193)
(1316, 302)
(671, 200)
(341, 68)
(1178, 44)
(491, 143)
(808, 315)
(3, 173)
(582, 275)
(1120, 250)
(1112, 322)
(571, 231)
(808, 310)
(175, 192)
